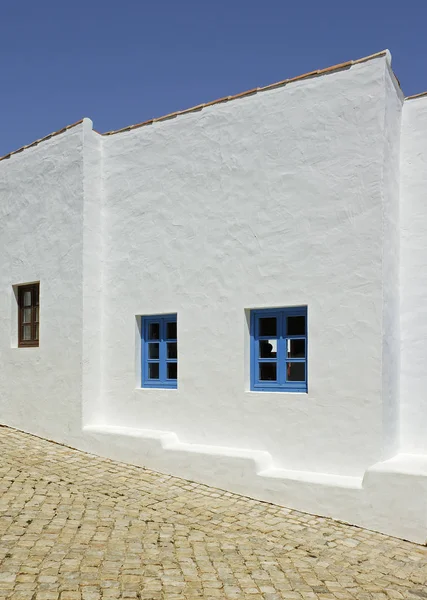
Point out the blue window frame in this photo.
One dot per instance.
(159, 354)
(279, 349)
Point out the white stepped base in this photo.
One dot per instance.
(391, 497)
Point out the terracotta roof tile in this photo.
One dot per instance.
(219, 101)
(187, 110)
(346, 64)
(169, 116)
(271, 86)
(243, 94)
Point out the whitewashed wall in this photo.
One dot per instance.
(41, 207)
(92, 274)
(391, 263)
(301, 195)
(414, 276)
(272, 200)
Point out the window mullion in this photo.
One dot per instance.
(281, 349)
(256, 349)
(162, 351)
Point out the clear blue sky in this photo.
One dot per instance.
(126, 61)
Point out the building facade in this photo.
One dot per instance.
(235, 294)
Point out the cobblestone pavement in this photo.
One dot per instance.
(74, 526)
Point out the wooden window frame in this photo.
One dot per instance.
(34, 288)
(162, 382)
(282, 362)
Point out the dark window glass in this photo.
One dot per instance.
(171, 331)
(172, 370)
(295, 371)
(153, 370)
(153, 351)
(268, 371)
(268, 326)
(154, 331)
(296, 326)
(172, 349)
(295, 348)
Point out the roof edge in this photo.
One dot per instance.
(414, 96)
(309, 75)
(43, 139)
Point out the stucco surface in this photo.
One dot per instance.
(41, 204)
(272, 200)
(306, 194)
(92, 273)
(391, 264)
(413, 280)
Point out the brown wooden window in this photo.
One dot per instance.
(28, 315)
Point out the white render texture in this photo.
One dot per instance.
(310, 193)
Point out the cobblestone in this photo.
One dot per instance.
(77, 527)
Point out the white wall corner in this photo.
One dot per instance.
(92, 273)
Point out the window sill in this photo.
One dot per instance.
(21, 346)
(157, 387)
(281, 390)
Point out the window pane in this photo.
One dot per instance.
(171, 331)
(26, 315)
(268, 371)
(154, 331)
(153, 370)
(295, 348)
(295, 371)
(172, 350)
(37, 331)
(296, 325)
(27, 298)
(172, 370)
(26, 333)
(268, 326)
(36, 313)
(153, 351)
(267, 348)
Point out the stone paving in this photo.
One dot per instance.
(74, 526)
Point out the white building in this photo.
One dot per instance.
(306, 198)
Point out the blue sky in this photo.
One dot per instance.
(126, 61)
